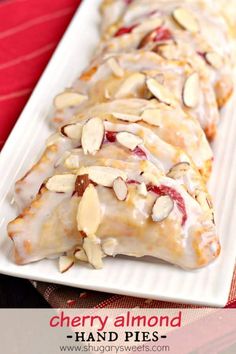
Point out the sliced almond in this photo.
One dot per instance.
(65, 263)
(120, 188)
(72, 162)
(206, 203)
(92, 135)
(93, 251)
(186, 19)
(160, 77)
(81, 183)
(80, 255)
(103, 175)
(107, 94)
(149, 177)
(160, 92)
(142, 189)
(203, 200)
(68, 99)
(126, 117)
(153, 116)
(162, 208)
(72, 131)
(109, 245)
(115, 67)
(129, 140)
(191, 91)
(167, 51)
(178, 170)
(131, 86)
(53, 139)
(214, 60)
(89, 211)
(61, 183)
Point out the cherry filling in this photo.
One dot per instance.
(139, 152)
(165, 190)
(157, 35)
(124, 30)
(132, 181)
(162, 34)
(111, 138)
(128, 2)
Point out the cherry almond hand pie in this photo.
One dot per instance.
(125, 171)
(123, 191)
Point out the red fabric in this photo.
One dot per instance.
(29, 32)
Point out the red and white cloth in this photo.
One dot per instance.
(29, 32)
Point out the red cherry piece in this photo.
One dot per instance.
(171, 192)
(139, 152)
(132, 181)
(124, 30)
(162, 34)
(111, 136)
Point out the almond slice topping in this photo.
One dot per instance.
(72, 131)
(186, 19)
(103, 175)
(142, 189)
(167, 51)
(80, 255)
(203, 199)
(93, 251)
(115, 67)
(126, 117)
(81, 183)
(68, 99)
(214, 60)
(129, 140)
(61, 183)
(149, 177)
(178, 170)
(153, 116)
(120, 188)
(89, 211)
(162, 208)
(92, 135)
(191, 91)
(131, 86)
(65, 263)
(160, 92)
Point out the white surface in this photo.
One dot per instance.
(138, 277)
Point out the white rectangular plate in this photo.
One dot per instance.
(137, 277)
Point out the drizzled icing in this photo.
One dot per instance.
(142, 137)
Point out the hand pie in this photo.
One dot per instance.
(147, 188)
(179, 81)
(171, 124)
(176, 23)
(125, 171)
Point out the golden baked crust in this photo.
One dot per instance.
(126, 171)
